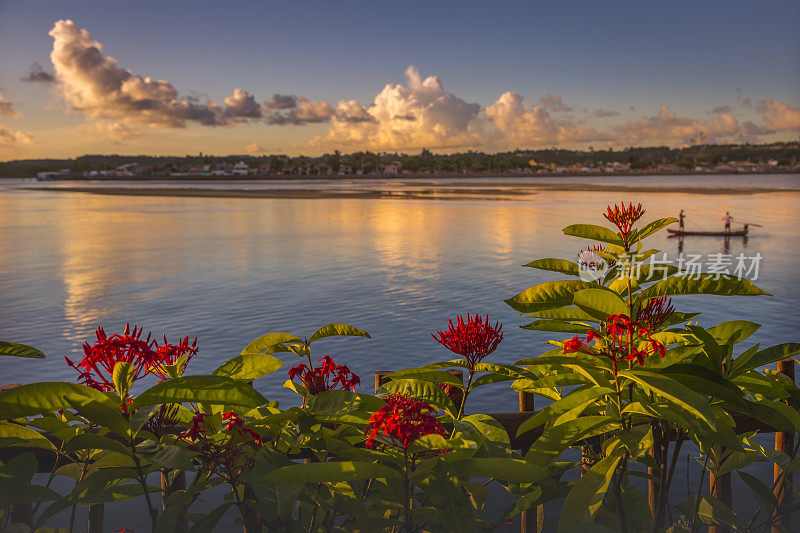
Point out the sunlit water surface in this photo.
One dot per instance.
(230, 270)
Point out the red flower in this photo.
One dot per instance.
(624, 218)
(473, 339)
(325, 377)
(655, 312)
(402, 421)
(222, 454)
(168, 354)
(618, 340)
(96, 369)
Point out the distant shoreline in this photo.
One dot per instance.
(391, 177)
(483, 191)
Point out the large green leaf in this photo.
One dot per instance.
(673, 391)
(555, 265)
(14, 349)
(329, 472)
(586, 496)
(600, 303)
(573, 403)
(435, 376)
(249, 366)
(733, 331)
(548, 295)
(557, 326)
(593, 232)
(563, 313)
(215, 390)
(654, 226)
(13, 435)
(337, 330)
(506, 469)
(722, 284)
(340, 403)
(764, 357)
(46, 396)
(556, 439)
(268, 340)
(91, 441)
(425, 391)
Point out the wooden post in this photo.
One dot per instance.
(784, 482)
(96, 513)
(722, 490)
(655, 485)
(529, 520)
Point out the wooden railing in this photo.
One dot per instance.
(721, 487)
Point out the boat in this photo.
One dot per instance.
(683, 233)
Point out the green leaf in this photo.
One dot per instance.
(15, 435)
(586, 496)
(421, 390)
(268, 340)
(722, 285)
(331, 471)
(765, 357)
(555, 265)
(600, 303)
(249, 366)
(655, 226)
(123, 377)
(215, 390)
(593, 232)
(674, 392)
(548, 295)
(434, 376)
(711, 511)
(556, 439)
(506, 469)
(574, 403)
(14, 349)
(91, 441)
(733, 331)
(337, 330)
(563, 313)
(339, 403)
(209, 522)
(557, 326)
(763, 494)
(46, 396)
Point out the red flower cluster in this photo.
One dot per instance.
(168, 354)
(624, 217)
(618, 340)
(402, 421)
(472, 339)
(96, 369)
(655, 312)
(325, 377)
(222, 454)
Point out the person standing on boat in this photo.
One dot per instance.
(727, 219)
(680, 220)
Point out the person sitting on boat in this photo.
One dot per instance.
(680, 220)
(727, 219)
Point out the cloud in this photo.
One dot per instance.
(37, 74)
(553, 102)
(115, 132)
(603, 113)
(297, 110)
(11, 138)
(94, 85)
(419, 114)
(722, 109)
(242, 105)
(526, 124)
(668, 125)
(254, 148)
(779, 116)
(7, 108)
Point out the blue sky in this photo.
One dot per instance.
(690, 56)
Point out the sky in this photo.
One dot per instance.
(174, 78)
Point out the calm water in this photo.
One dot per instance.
(230, 270)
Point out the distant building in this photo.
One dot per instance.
(240, 169)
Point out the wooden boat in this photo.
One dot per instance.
(680, 233)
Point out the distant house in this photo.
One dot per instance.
(393, 169)
(240, 169)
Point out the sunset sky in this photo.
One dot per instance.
(180, 78)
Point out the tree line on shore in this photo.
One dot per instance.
(784, 155)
